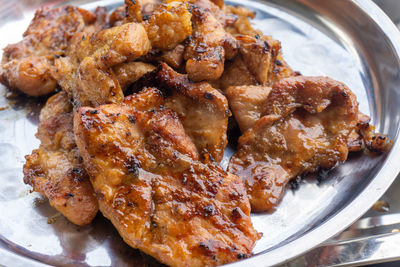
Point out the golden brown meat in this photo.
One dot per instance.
(158, 196)
(87, 75)
(169, 25)
(173, 58)
(225, 18)
(202, 109)
(247, 104)
(364, 136)
(208, 47)
(260, 62)
(28, 65)
(242, 24)
(305, 126)
(128, 73)
(56, 169)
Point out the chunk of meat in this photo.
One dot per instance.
(128, 73)
(28, 64)
(225, 18)
(169, 25)
(236, 73)
(56, 169)
(366, 135)
(247, 104)
(208, 47)
(159, 197)
(90, 64)
(117, 17)
(202, 109)
(242, 25)
(305, 126)
(260, 60)
(173, 58)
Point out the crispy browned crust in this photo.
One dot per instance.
(202, 109)
(28, 64)
(305, 126)
(158, 196)
(87, 74)
(208, 47)
(56, 169)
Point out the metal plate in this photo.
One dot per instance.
(351, 41)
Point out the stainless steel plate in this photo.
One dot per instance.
(351, 41)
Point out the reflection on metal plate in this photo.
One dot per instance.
(351, 41)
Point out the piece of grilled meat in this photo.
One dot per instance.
(208, 47)
(56, 169)
(28, 65)
(305, 126)
(259, 62)
(202, 109)
(87, 74)
(150, 184)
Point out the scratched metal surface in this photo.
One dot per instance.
(351, 41)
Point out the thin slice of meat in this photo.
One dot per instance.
(305, 126)
(28, 65)
(56, 169)
(202, 109)
(149, 183)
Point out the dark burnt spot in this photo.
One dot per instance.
(146, 17)
(133, 2)
(382, 137)
(297, 73)
(208, 210)
(344, 94)
(276, 70)
(278, 62)
(77, 171)
(132, 166)
(132, 119)
(258, 37)
(237, 213)
(83, 37)
(266, 46)
(208, 96)
(373, 137)
(57, 56)
(294, 184)
(69, 195)
(94, 111)
(241, 256)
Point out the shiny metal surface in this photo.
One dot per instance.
(351, 41)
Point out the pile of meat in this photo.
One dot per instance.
(138, 118)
